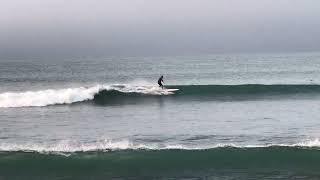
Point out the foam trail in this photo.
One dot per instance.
(70, 95)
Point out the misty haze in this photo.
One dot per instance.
(79, 28)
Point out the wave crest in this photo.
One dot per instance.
(70, 146)
(71, 95)
(123, 92)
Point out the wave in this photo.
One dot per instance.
(71, 146)
(124, 160)
(72, 95)
(249, 89)
(124, 93)
(259, 162)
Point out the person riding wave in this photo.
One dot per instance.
(160, 81)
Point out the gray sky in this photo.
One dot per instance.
(77, 28)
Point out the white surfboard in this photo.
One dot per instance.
(171, 90)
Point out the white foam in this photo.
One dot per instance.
(70, 146)
(69, 95)
(309, 143)
(73, 146)
(47, 97)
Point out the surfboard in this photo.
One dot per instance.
(171, 90)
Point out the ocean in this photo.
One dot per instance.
(235, 116)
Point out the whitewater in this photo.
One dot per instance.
(65, 147)
(70, 95)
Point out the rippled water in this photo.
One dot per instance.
(231, 113)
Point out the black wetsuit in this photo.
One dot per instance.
(160, 81)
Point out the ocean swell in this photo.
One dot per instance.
(124, 93)
(128, 161)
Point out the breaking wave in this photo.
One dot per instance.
(111, 160)
(70, 146)
(113, 93)
(71, 95)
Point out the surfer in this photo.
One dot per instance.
(160, 81)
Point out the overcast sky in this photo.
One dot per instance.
(77, 28)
